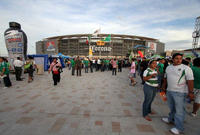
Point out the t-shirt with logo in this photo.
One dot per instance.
(177, 77)
(152, 81)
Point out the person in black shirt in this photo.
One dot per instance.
(120, 65)
(143, 67)
(91, 65)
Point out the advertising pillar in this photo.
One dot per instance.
(16, 42)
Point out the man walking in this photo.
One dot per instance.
(78, 64)
(73, 66)
(179, 81)
(18, 68)
(86, 64)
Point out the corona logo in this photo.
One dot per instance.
(100, 43)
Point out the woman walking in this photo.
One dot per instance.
(150, 88)
(55, 68)
(132, 73)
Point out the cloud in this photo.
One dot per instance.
(152, 18)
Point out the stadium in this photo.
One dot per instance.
(117, 45)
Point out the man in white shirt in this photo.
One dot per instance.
(18, 63)
(179, 81)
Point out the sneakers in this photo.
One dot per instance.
(2, 76)
(193, 114)
(166, 120)
(175, 131)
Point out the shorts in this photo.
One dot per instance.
(197, 96)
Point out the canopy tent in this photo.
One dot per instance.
(41, 59)
(63, 56)
(140, 46)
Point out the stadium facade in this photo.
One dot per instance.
(119, 45)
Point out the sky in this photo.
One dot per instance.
(170, 21)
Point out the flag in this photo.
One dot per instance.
(96, 32)
(141, 54)
(108, 38)
(88, 39)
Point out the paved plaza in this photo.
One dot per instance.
(93, 104)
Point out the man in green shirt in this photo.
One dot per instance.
(196, 72)
(107, 61)
(4, 72)
(86, 64)
(73, 65)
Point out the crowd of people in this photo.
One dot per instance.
(177, 77)
(92, 64)
(96, 64)
(18, 67)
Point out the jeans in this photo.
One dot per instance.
(176, 102)
(134, 75)
(114, 71)
(160, 78)
(149, 95)
(73, 70)
(86, 69)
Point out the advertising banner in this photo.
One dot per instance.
(152, 46)
(16, 42)
(50, 45)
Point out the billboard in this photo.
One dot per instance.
(50, 45)
(152, 46)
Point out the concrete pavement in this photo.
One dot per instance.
(93, 104)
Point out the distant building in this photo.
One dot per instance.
(187, 52)
(119, 45)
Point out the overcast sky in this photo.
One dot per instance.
(170, 21)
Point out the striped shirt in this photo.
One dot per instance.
(152, 81)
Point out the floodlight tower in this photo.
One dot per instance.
(196, 35)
